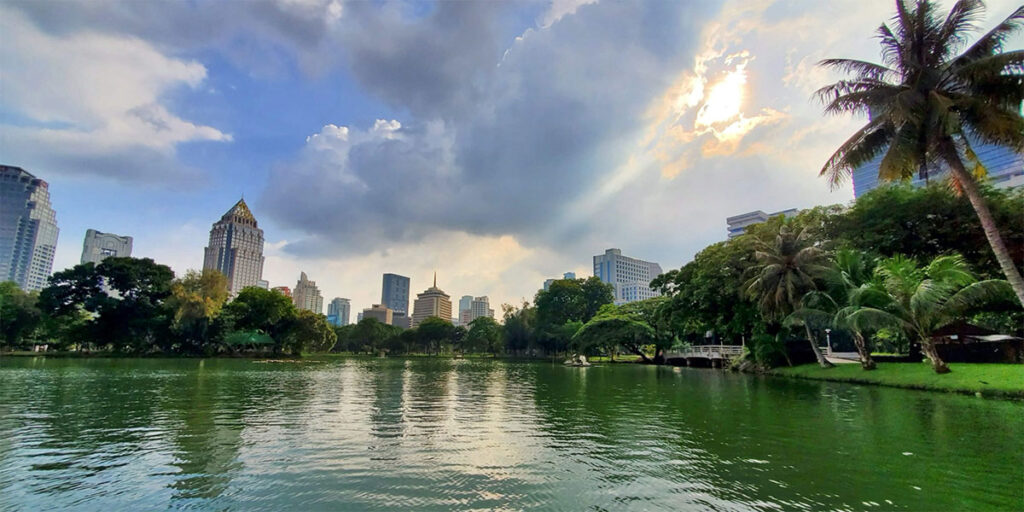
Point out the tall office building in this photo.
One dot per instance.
(465, 310)
(630, 277)
(481, 306)
(28, 229)
(1005, 169)
(338, 311)
(99, 246)
(738, 224)
(236, 248)
(395, 293)
(432, 302)
(306, 295)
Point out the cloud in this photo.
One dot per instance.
(486, 149)
(90, 103)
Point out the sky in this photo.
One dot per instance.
(496, 143)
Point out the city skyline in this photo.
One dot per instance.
(300, 107)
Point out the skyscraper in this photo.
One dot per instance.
(630, 276)
(236, 248)
(1005, 168)
(338, 311)
(432, 302)
(465, 309)
(480, 307)
(28, 229)
(99, 246)
(306, 295)
(395, 293)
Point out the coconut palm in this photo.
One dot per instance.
(928, 101)
(787, 268)
(922, 300)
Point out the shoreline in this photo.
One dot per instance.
(989, 380)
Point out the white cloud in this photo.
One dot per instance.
(88, 96)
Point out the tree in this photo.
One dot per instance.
(519, 327)
(196, 300)
(309, 330)
(850, 286)
(613, 326)
(484, 336)
(20, 317)
(434, 333)
(266, 311)
(921, 300)
(596, 293)
(941, 222)
(787, 268)
(928, 103)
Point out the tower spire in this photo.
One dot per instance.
(435, 279)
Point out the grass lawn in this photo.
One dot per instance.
(989, 379)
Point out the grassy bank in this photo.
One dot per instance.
(1005, 380)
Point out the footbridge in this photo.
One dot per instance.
(704, 355)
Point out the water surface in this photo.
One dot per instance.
(432, 434)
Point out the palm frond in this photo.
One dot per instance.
(901, 159)
(980, 293)
(961, 19)
(992, 42)
(861, 148)
(860, 68)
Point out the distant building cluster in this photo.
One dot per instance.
(28, 240)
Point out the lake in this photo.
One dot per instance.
(438, 434)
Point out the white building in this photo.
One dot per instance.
(236, 248)
(307, 296)
(481, 306)
(631, 277)
(738, 224)
(28, 229)
(99, 246)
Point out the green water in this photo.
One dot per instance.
(429, 434)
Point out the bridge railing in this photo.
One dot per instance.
(708, 351)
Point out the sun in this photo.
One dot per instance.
(724, 100)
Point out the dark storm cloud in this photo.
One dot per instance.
(547, 121)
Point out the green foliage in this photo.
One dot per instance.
(941, 223)
(195, 302)
(20, 317)
(484, 335)
(309, 330)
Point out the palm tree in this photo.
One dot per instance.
(927, 104)
(921, 300)
(787, 268)
(848, 287)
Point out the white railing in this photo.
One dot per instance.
(708, 352)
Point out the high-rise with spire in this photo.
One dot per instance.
(236, 248)
(432, 302)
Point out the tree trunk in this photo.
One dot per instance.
(862, 351)
(817, 351)
(995, 240)
(933, 355)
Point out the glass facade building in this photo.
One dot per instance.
(28, 229)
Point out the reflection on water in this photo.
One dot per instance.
(432, 434)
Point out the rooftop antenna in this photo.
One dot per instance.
(435, 279)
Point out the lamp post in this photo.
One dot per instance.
(828, 339)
